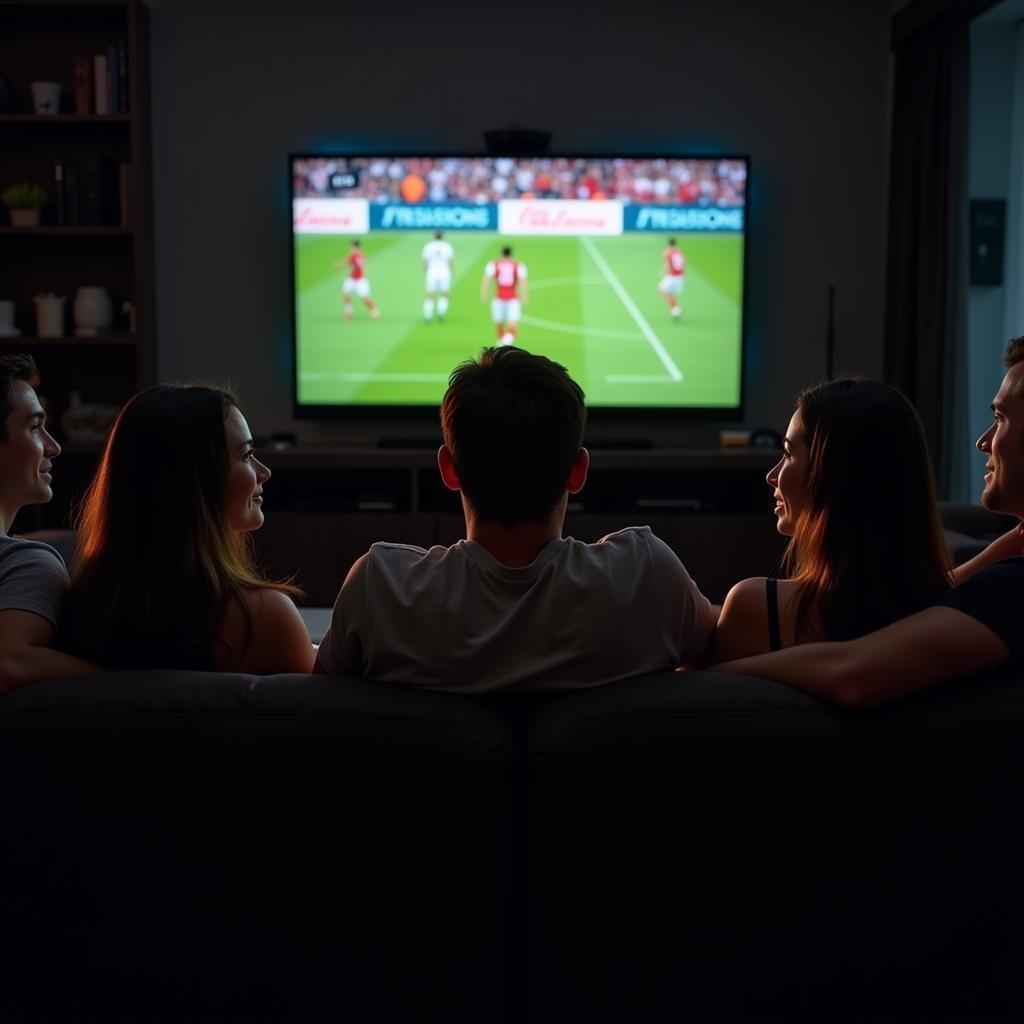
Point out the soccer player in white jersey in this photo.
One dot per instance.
(671, 286)
(438, 260)
(510, 277)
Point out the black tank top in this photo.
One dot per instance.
(772, 595)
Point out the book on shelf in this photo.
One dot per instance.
(97, 184)
(58, 190)
(101, 81)
(122, 77)
(102, 97)
(72, 205)
(91, 190)
(124, 174)
(112, 82)
(83, 85)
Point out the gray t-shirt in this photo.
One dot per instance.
(33, 578)
(457, 619)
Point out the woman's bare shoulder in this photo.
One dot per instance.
(742, 628)
(748, 588)
(278, 640)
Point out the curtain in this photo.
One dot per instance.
(926, 270)
(1013, 265)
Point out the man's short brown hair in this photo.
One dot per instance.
(1014, 351)
(12, 368)
(513, 423)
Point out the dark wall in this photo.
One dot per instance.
(800, 85)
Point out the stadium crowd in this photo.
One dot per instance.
(490, 179)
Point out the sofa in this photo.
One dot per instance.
(969, 529)
(193, 846)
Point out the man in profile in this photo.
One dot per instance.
(974, 628)
(515, 605)
(33, 576)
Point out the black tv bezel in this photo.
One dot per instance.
(416, 413)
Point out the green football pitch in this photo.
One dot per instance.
(593, 306)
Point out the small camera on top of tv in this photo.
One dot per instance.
(520, 141)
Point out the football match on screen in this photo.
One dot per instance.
(627, 271)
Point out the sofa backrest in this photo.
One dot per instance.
(203, 846)
(712, 847)
(679, 846)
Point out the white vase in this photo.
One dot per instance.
(50, 316)
(93, 311)
(46, 97)
(7, 328)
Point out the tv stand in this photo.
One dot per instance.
(618, 444)
(326, 505)
(410, 443)
(592, 444)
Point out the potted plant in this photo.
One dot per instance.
(24, 200)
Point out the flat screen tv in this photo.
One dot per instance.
(627, 270)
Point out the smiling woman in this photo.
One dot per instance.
(854, 493)
(165, 577)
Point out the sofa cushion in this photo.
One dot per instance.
(194, 845)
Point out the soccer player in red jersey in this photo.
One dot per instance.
(510, 277)
(357, 283)
(672, 280)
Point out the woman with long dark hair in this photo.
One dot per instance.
(164, 577)
(855, 494)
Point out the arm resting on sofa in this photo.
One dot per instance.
(1009, 544)
(25, 654)
(911, 655)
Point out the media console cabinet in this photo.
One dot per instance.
(326, 505)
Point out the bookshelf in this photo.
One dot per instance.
(105, 242)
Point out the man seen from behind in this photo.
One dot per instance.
(515, 605)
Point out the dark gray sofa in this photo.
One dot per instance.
(969, 529)
(684, 847)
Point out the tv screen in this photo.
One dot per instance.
(627, 270)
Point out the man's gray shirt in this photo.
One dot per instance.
(457, 619)
(33, 578)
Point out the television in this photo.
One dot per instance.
(627, 270)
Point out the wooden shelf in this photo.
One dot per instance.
(63, 120)
(69, 229)
(100, 341)
(62, 15)
(66, 3)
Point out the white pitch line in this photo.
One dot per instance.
(597, 332)
(652, 339)
(397, 378)
(637, 378)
